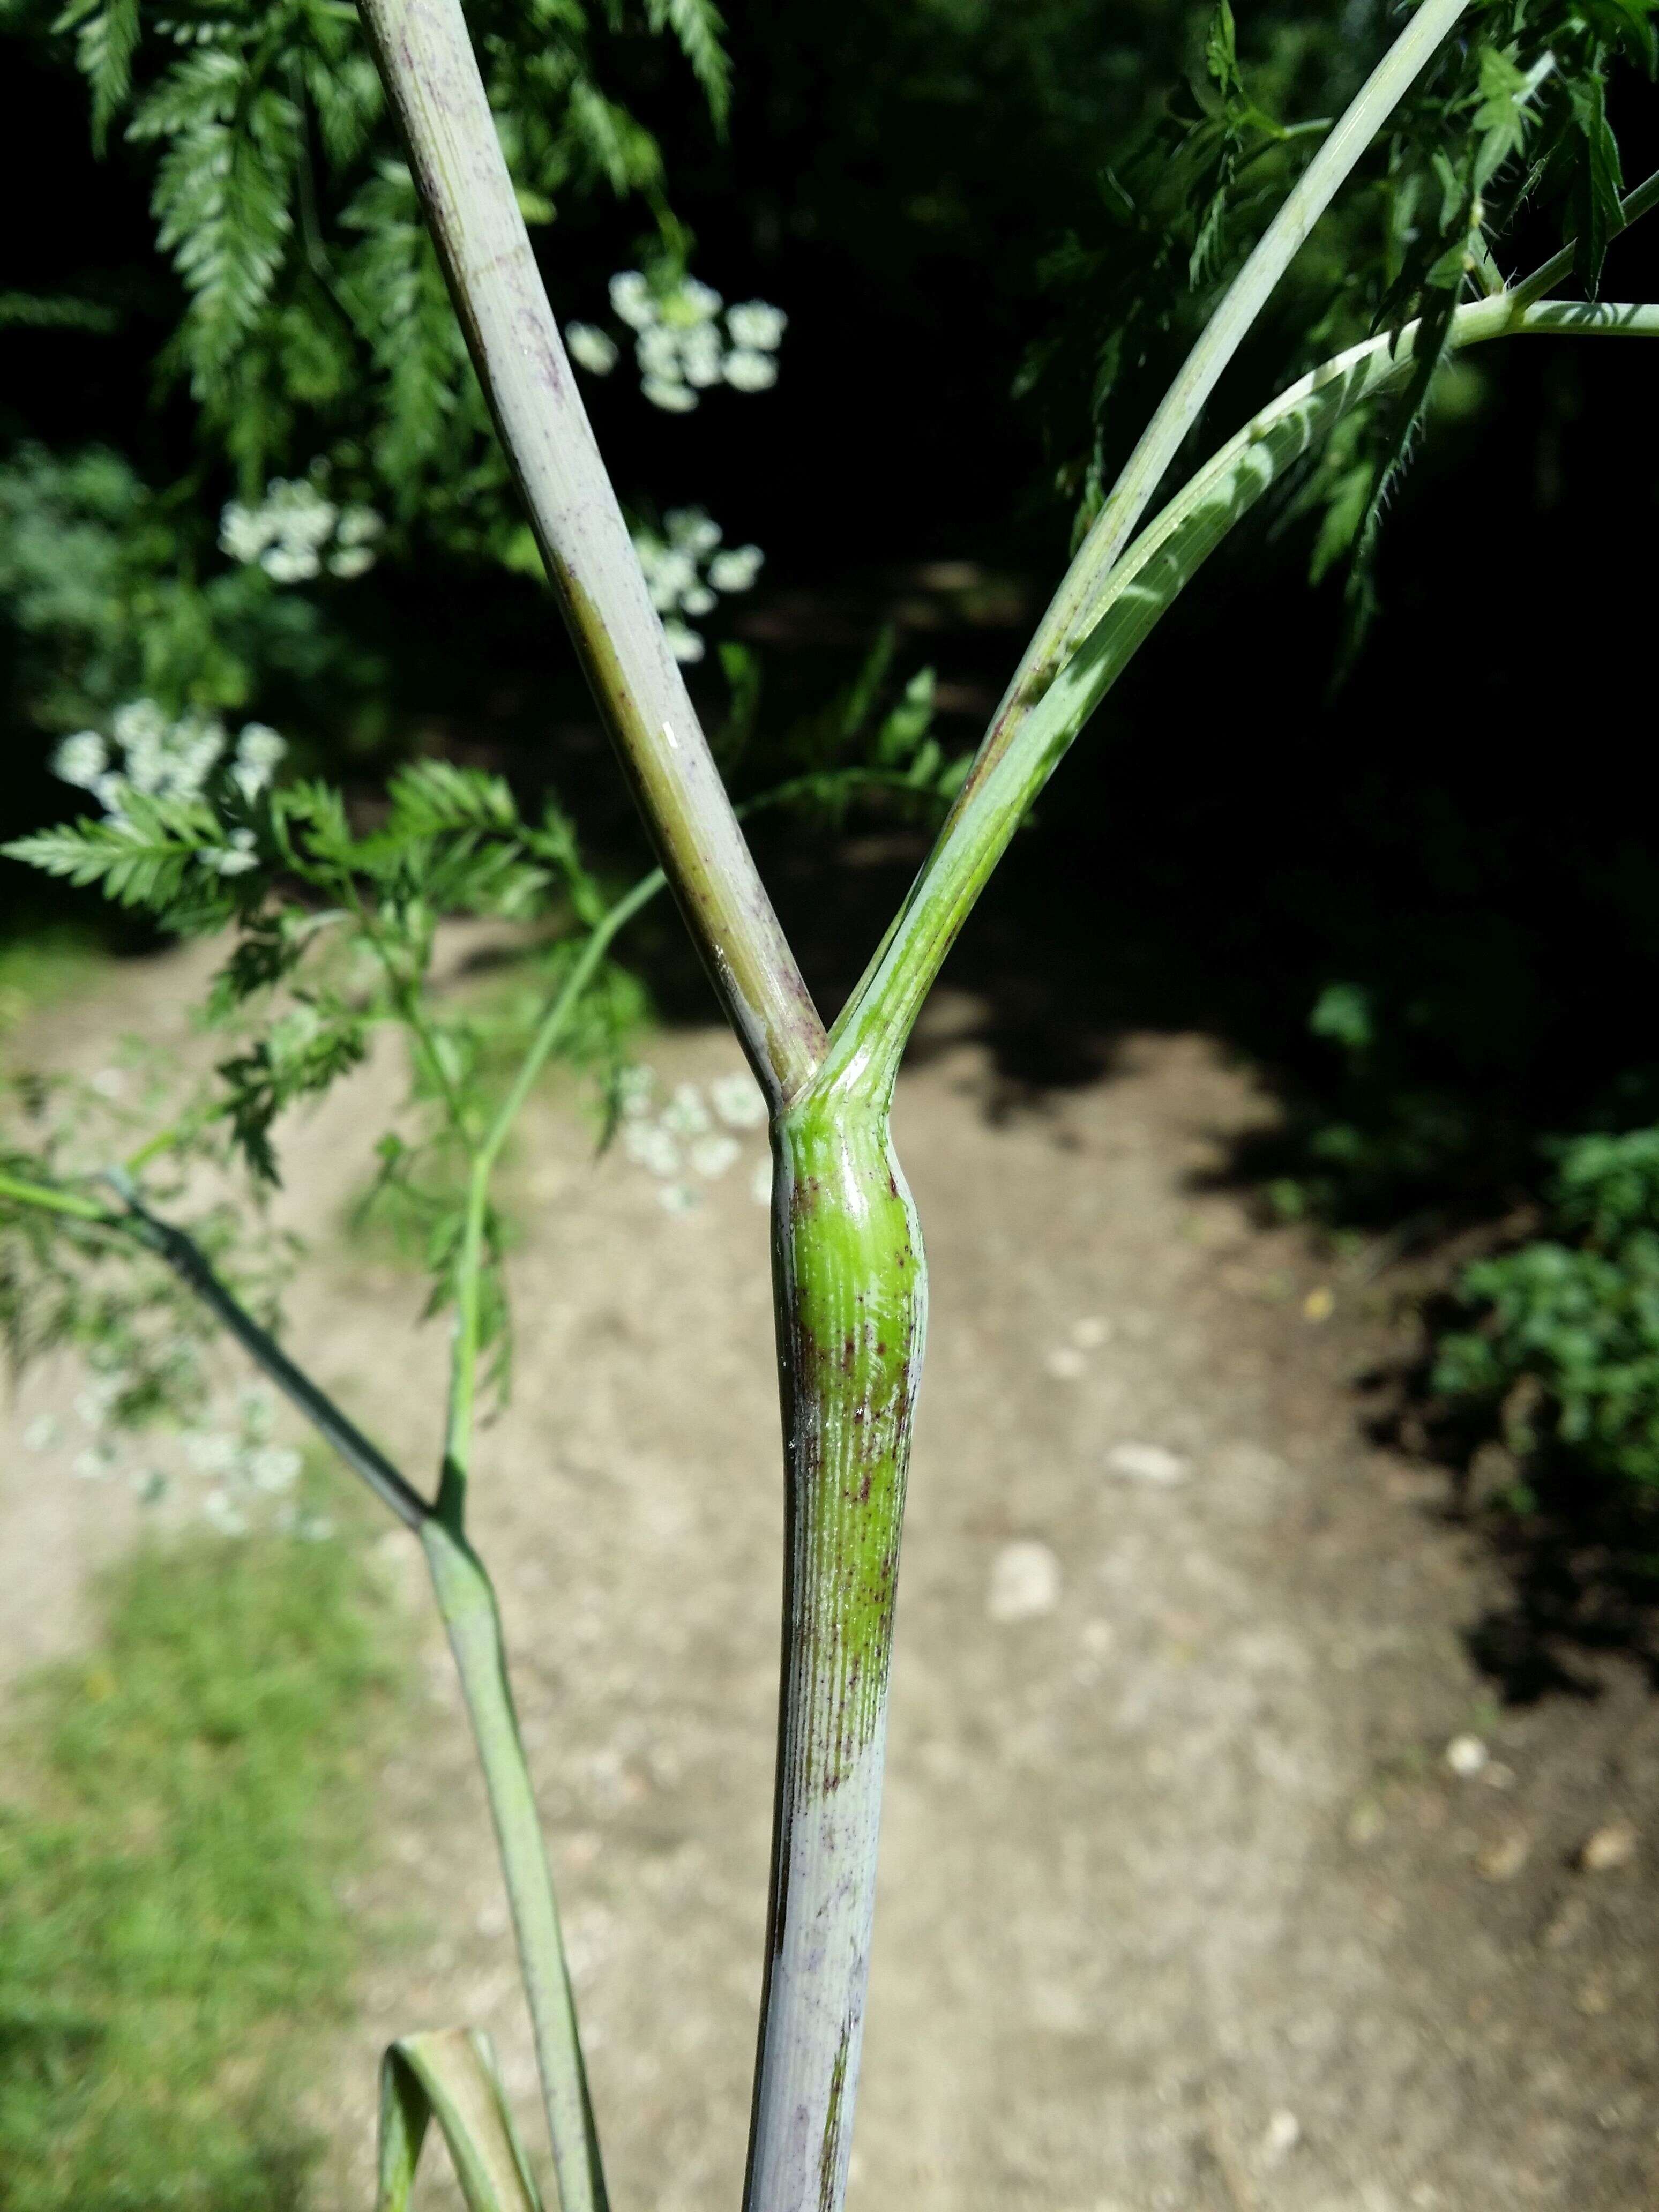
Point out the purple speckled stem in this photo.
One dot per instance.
(432, 79)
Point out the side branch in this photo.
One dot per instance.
(870, 1035)
(1068, 612)
(190, 1263)
(433, 81)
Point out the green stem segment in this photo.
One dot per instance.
(851, 1291)
(472, 1619)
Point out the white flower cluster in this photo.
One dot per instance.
(146, 753)
(680, 342)
(248, 1478)
(686, 569)
(296, 532)
(690, 1135)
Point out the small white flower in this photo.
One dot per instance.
(712, 1155)
(737, 1101)
(677, 1198)
(95, 1462)
(684, 644)
(110, 1082)
(670, 574)
(226, 1516)
(209, 1452)
(358, 526)
(700, 356)
(698, 601)
(81, 759)
(43, 1432)
(736, 569)
(590, 349)
(747, 370)
(648, 1144)
(634, 1086)
(658, 353)
(245, 532)
(289, 564)
(757, 325)
(672, 398)
(140, 722)
(696, 301)
(685, 1115)
(275, 1468)
(691, 529)
(314, 1528)
(351, 560)
(630, 296)
(235, 859)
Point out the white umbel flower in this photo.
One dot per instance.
(747, 370)
(756, 324)
(590, 349)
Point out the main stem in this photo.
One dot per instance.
(851, 1291)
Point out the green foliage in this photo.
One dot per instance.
(313, 314)
(1568, 1339)
(178, 1809)
(112, 592)
(1511, 121)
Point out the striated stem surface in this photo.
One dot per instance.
(851, 1288)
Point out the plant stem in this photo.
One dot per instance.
(1182, 403)
(49, 1199)
(467, 1602)
(850, 1289)
(190, 1263)
(870, 1034)
(464, 1364)
(433, 83)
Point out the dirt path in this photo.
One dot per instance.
(1181, 1906)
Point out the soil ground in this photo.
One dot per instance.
(1181, 1903)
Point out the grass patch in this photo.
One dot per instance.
(39, 966)
(178, 1809)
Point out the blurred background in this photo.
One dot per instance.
(1269, 1808)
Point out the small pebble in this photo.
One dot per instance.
(1503, 1860)
(1465, 1755)
(1147, 1463)
(1024, 1582)
(1609, 1847)
(1065, 1363)
(1281, 2137)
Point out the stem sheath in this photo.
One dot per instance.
(851, 1293)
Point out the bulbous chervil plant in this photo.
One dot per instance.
(1475, 110)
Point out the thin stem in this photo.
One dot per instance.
(464, 1366)
(467, 1604)
(190, 1263)
(1544, 279)
(471, 1616)
(870, 1035)
(1181, 404)
(433, 83)
(51, 1200)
